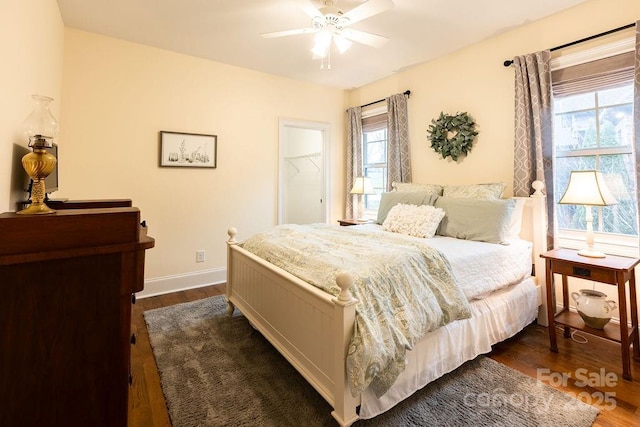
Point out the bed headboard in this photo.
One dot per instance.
(534, 218)
(534, 229)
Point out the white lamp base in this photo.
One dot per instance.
(361, 217)
(591, 253)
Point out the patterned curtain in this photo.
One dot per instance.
(533, 148)
(636, 110)
(354, 157)
(398, 155)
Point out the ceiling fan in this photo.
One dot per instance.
(329, 24)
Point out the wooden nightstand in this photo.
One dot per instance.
(612, 270)
(347, 222)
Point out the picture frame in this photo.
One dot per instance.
(188, 150)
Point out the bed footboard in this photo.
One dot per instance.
(309, 327)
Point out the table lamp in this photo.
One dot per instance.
(40, 127)
(588, 188)
(362, 185)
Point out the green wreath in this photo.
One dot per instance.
(462, 130)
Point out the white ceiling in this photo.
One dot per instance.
(229, 31)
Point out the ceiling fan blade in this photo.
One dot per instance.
(368, 9)
(308, 8)
(361, 37)
(288, 33)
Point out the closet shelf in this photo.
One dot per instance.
(312, 157)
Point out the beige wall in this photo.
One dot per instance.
(474, 80)
(119, 95)
(31, 45)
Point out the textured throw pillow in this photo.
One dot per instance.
(418, 221)
(481, 220)
(392, 198)
(475, 191)
(406, 187)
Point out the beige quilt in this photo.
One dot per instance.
(404, 290)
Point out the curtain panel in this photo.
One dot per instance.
(354, 157)
(636, 111)
(398, 154)
(533, 145)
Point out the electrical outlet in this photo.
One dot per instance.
(200, 256)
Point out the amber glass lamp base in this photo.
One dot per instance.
(38, 165)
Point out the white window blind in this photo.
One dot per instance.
(605, 73)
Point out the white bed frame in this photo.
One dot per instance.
(312, 329)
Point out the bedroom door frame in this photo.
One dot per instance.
(325, 130)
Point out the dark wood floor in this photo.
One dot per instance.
(528, 353)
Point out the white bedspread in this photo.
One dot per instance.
(480, 268)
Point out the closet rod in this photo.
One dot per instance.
(406, 92)
(606, 33)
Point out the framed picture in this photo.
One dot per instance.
(191, 150)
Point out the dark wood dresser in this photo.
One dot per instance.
(67, 282)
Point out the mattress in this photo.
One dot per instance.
(481, 268)
(495, 318)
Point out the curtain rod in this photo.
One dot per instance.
(406, 92)
(606, 33)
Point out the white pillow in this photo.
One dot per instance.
(418, 221)
(515, 224)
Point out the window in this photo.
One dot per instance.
(593, 129)
(374, 157)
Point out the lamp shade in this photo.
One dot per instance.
(362, 185)
(587, 188)
(40, 126)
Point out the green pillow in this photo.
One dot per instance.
(392, 198)
(408, 187)
(492, 191)
(472, 219)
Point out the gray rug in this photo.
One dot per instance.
(219, 371)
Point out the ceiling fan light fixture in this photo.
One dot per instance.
(323, 37)
(320, 51)
(322, 42)
(331, 23)
(341, 43)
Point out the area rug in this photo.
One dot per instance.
(218, 371)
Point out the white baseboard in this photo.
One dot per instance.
(181, 282)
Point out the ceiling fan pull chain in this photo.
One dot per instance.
(329, 58)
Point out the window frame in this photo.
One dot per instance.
(372, 212)
(615, 244)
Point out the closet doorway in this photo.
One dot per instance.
(303, 174)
